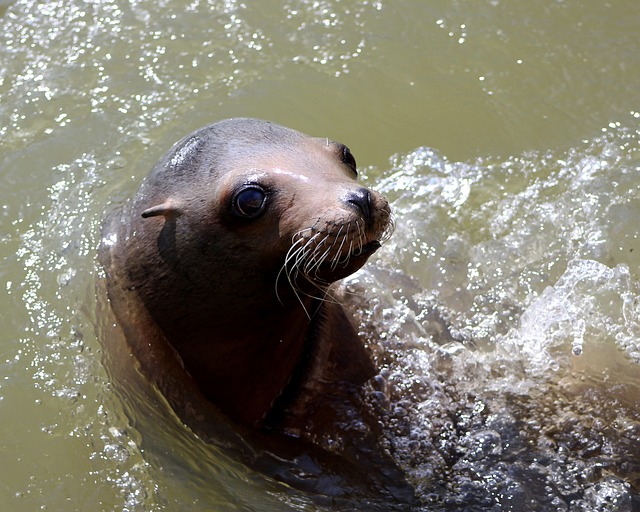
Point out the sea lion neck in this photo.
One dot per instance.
(243, 368)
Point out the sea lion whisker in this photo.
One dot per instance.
(360, 230)
(284, 269)
(317, 263)
(300, 255)
(299, 238)
(294, 272)
(312, 261)
(351, 251)
(295, 265)
(336, 259)
(299, 233)
(319, 285)
(292, 253)
(361, 237)
(311, 239)
(343, 259)
(327, 295)
(292, 275)
(390, 226)
(304, 308)
(323, 287)
(315, 268)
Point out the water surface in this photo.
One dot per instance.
(506, 135)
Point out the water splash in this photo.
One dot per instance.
(509, 369)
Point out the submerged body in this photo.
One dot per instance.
(220, 274)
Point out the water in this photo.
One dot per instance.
(506, 136)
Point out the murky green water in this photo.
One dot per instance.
(505, 132)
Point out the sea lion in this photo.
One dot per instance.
(221, 271)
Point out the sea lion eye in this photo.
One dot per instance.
(348, 159)
(249, 202)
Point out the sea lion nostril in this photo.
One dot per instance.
(361, 199)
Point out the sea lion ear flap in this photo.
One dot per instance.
(168, 209)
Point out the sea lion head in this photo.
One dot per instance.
(244, 206)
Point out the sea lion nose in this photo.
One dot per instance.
(360, 199)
